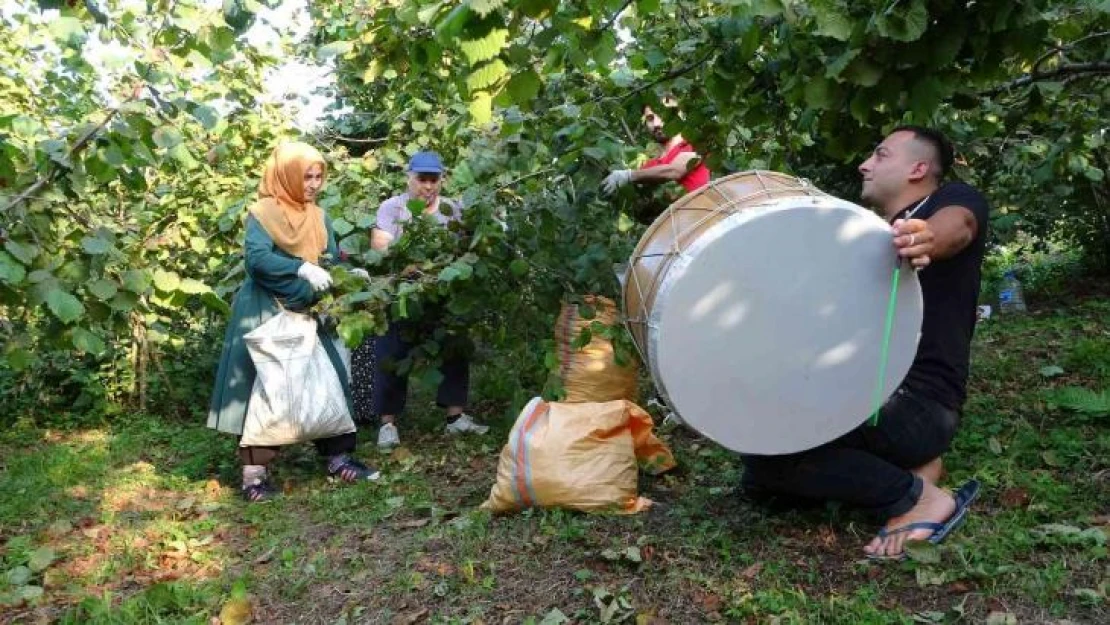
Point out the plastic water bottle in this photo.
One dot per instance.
(1010, 298)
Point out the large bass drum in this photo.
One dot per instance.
(759, 304)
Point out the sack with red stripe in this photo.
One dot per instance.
(582, 456)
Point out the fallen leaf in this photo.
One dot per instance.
(41, 558)
(1014, 498)
(554, 617)
(236, 612)
(401, 454)
(1051, 371)
(19, 576)
(266, 556)
(709, 602)
(1051, 459)
(922, 551)
(78, 492)
(632, 554)
(752, 571)
(212, 487)
(59, 528)
(1001, 618)
(410, 618)
(959, 588)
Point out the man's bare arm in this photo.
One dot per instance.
(664, 173)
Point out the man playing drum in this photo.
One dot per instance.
(893, 467)
(679, 161)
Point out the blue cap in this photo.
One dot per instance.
(426, 163)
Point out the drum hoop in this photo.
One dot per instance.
(728, 204)
(679, 266)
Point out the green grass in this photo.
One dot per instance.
(140, 523)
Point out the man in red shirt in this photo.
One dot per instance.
(679, 162)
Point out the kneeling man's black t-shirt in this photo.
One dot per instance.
(950, 289)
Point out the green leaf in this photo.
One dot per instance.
(19, 576)
(25, 252)
(10, 270)
(95, 245)
(922, 551)
(519, 267)
(481, 108)
(167, 137)
(837, 67)
(486, 75)
(166, 281)
(103, 289)
(486, 47)
(832, 19)
(864, 72)
(68, 31)
(207, 116)
(524, 86)
(88, 342)
(342, 227)
(903, 24)
(136, 281)
(19, 359)
(333, 49)
(817, 93)
(485, 7)
(182, 155)
(538, 8)
(215, 303)
(64, 305)
(1081, 400)
(190, 286)
(1051, 371)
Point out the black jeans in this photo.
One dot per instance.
(867, 467)
(391, 390)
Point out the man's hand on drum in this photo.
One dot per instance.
(914, 241)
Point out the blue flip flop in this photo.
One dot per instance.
(964, 496)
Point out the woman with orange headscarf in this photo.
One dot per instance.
(288, 238)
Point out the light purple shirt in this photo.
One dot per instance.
(394, 212)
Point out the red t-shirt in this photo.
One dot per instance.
(695, 178)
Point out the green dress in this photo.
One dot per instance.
(271, 273)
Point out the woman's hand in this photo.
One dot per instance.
(316, 276)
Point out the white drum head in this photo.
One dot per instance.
(767, 332)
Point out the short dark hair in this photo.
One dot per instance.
(935, 138)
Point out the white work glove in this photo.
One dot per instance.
(316, 276)
(616, 180)
(361, 273)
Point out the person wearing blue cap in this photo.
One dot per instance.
(389, 388)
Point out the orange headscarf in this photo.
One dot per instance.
(295, 225)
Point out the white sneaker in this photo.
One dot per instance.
(466, 424)
(387, 436)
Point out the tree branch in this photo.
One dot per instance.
(335, 135)
(614, 18)
(1070, 70)
(671, 75)
(1064, 48)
